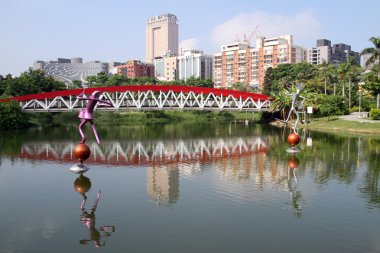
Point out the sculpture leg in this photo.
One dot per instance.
(81, 131)
(94, 130)
(290, 112)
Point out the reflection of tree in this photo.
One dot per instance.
(332, 156)
(371, 186)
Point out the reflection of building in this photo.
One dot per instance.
(161, 36)
(240, 63)
(163, 184)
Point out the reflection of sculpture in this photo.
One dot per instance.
(87, 115)
(82, 185)
(296, 196)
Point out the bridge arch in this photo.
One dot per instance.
(147, 97)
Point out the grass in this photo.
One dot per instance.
(334, 124)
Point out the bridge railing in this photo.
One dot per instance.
(148, 97)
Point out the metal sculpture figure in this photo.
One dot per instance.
(87, 114)
(296, 106)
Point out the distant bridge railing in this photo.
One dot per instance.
(147, 97)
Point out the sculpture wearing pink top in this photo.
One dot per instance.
(87, 114)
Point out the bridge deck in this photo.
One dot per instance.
(147, 97)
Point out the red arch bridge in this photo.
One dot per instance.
(147, 97)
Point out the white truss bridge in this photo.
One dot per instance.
(153, 152)
(147, 97)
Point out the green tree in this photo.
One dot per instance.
(353, 74)
(198, 82)
(342, 71)
(282, 77)
(372, 84)
(326, 71)
(327, 105)
(268, 80)
(374, 53)
(30, 82)
(116, 80)
(11, 116)
(239, 86)
(374, 58)
(77, 84)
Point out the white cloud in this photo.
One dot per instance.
(304, 27)
(189, 44)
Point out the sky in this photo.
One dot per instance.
(114, 30)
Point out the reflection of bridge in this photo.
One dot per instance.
(148, 97)
(152, 153)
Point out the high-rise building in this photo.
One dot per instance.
(161, 36)
(194, 63)
(240, 63)
(335, 54)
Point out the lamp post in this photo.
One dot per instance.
(360, 96)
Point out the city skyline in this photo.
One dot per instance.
(115, 30)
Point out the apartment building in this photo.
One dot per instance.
(334, 54)
(240, 63)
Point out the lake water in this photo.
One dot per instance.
(189, 188)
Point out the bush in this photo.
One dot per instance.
(11, 116)
(328, 105)
(375, 114)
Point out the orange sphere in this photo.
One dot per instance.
(293, 139)
(293, 162)
(82, 152)
(82, 184)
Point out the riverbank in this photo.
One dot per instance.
(352, 124)
(142, 118)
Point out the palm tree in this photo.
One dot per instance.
(342, 71)
(374, 58)
(326, 71)
(353, 71)
(374, 52)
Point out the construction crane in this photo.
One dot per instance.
(254, 32)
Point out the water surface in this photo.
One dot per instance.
(189, 188)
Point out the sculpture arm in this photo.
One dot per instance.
(82, 96)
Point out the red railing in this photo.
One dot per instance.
(142, 88)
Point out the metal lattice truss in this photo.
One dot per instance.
(158, 152)
(151, 100)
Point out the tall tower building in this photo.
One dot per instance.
(161, 36)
